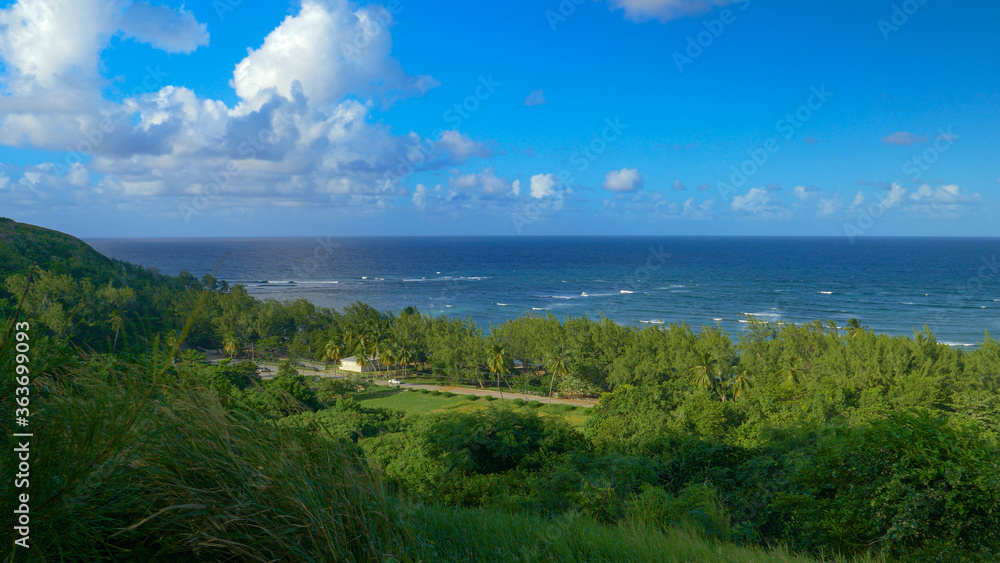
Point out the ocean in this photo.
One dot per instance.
(892, 285)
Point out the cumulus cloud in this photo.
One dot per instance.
(698, 211)
(301, 134)
(623, 181)
(328, 51)
(826, 207)
(759, 203)
(679, 186)
(945, 201)
(174, 31)
(859, 200)
(805, 192)
(545, 185)
(485, 181)
(536, 98)
(665, 10)
(903, 139)
(420, 197)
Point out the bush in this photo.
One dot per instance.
(490, 398)
(534, 404)
(448, 394)
(914, 483)
(425, 391)
(519, 402)
(436, 392)
(696, 508)
(472, 397)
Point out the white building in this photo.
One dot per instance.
(352, 364)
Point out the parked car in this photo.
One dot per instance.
(395, 382)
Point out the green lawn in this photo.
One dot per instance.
(414, 402)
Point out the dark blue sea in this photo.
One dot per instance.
(893, 285)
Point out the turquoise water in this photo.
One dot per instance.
(893, 285)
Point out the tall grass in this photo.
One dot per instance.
(457, 534)
(125, 471)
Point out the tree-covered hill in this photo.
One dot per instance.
(23, 246)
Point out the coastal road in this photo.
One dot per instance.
(483, 392)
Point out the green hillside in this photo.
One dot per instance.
(23, 245)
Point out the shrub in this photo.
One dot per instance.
(519, 402)
(534, 404)
(448, 394)
(914, 483)
(696, 507)
(472, 397)
(425, 391)
(436, 392)
(490, 398)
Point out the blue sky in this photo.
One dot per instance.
(232, 118)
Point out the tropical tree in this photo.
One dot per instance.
(497, 363)
(117, 324)
(705, 371)
(854, 327)
(792, 371)
(333, 352)
(230, 345)
(557, 366)
(740, 383)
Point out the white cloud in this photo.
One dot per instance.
(545, 185)
(536, 98)
(859, 200)
(623, 181)
(944, 201)
(805, 192)
(665, 10)
(679, 186)
(327, 51)
(278, 146)
(515, 188)
(758, 202)
(698, 212)
(164, 28)
(826, 207)
(420, 197)
(486, 181)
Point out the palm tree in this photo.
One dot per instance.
(496, 362)
(117, 324)
(740, 383)
(557, 366)
(705, 371)
(230, 345)
(792, 371)
(333, 352)
(854, 327)
(405, 357)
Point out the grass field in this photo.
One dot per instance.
(414, 402)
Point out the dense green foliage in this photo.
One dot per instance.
(819, 438)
